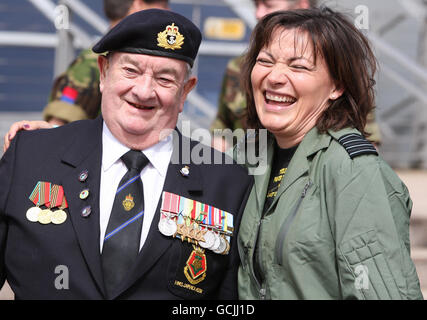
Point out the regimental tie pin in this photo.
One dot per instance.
(128, 203)
(185, 171)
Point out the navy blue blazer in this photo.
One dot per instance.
(31, 252)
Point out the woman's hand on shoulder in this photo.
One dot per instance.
(23, 125)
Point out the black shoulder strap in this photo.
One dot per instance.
(356, 145)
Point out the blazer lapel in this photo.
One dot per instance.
(156, 244)
(81, 157)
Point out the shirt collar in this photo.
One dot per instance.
(159, 154)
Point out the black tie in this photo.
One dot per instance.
(122, 238)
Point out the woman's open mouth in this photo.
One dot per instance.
(279, 100)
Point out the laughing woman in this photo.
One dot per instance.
(329, 218)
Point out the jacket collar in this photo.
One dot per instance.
(299, 165)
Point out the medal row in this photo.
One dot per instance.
(46, 216)
(193, 233)
(49, 195)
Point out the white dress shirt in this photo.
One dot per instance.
(113, 169)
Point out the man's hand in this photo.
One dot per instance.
(23, 125)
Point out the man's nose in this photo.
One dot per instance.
(144, 88)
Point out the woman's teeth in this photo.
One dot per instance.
(276, 98)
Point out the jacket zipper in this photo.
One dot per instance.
(286, 224)
(260, 287)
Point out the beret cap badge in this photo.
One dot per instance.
(170, 38)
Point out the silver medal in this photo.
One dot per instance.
(216, 243)
(209, 240)
(222, 246)
(167, 227)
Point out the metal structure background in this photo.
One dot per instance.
(397, 29)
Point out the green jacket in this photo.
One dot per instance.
(337, 229)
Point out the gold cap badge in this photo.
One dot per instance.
(170, 38)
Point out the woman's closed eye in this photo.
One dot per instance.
(264, 61)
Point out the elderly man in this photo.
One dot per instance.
(107, 208)
(75, 93)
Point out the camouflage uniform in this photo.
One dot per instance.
(232, 104)
(81, 78)
(232, 100)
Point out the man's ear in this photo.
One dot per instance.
(103, 67)
(188, 86)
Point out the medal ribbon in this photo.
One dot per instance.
(57, 198)
(187, 210)
(193, 210)
(48, 194)
(35, 195)
(45, 193)
(41, 194)
(54, 193)
(64, 203)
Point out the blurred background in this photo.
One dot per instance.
(33, 51)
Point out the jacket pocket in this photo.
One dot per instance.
(366, 265)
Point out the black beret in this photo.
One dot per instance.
(154, 32)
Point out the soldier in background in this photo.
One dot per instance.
(75, 93)
(232, 100)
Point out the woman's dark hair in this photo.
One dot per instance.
(346, 52)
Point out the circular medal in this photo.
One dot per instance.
(33, 214)
(222, 246)
(217, 242)
(45, 216)
(227, 247)
(167, 227)
(209, 240)
(59, 217)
